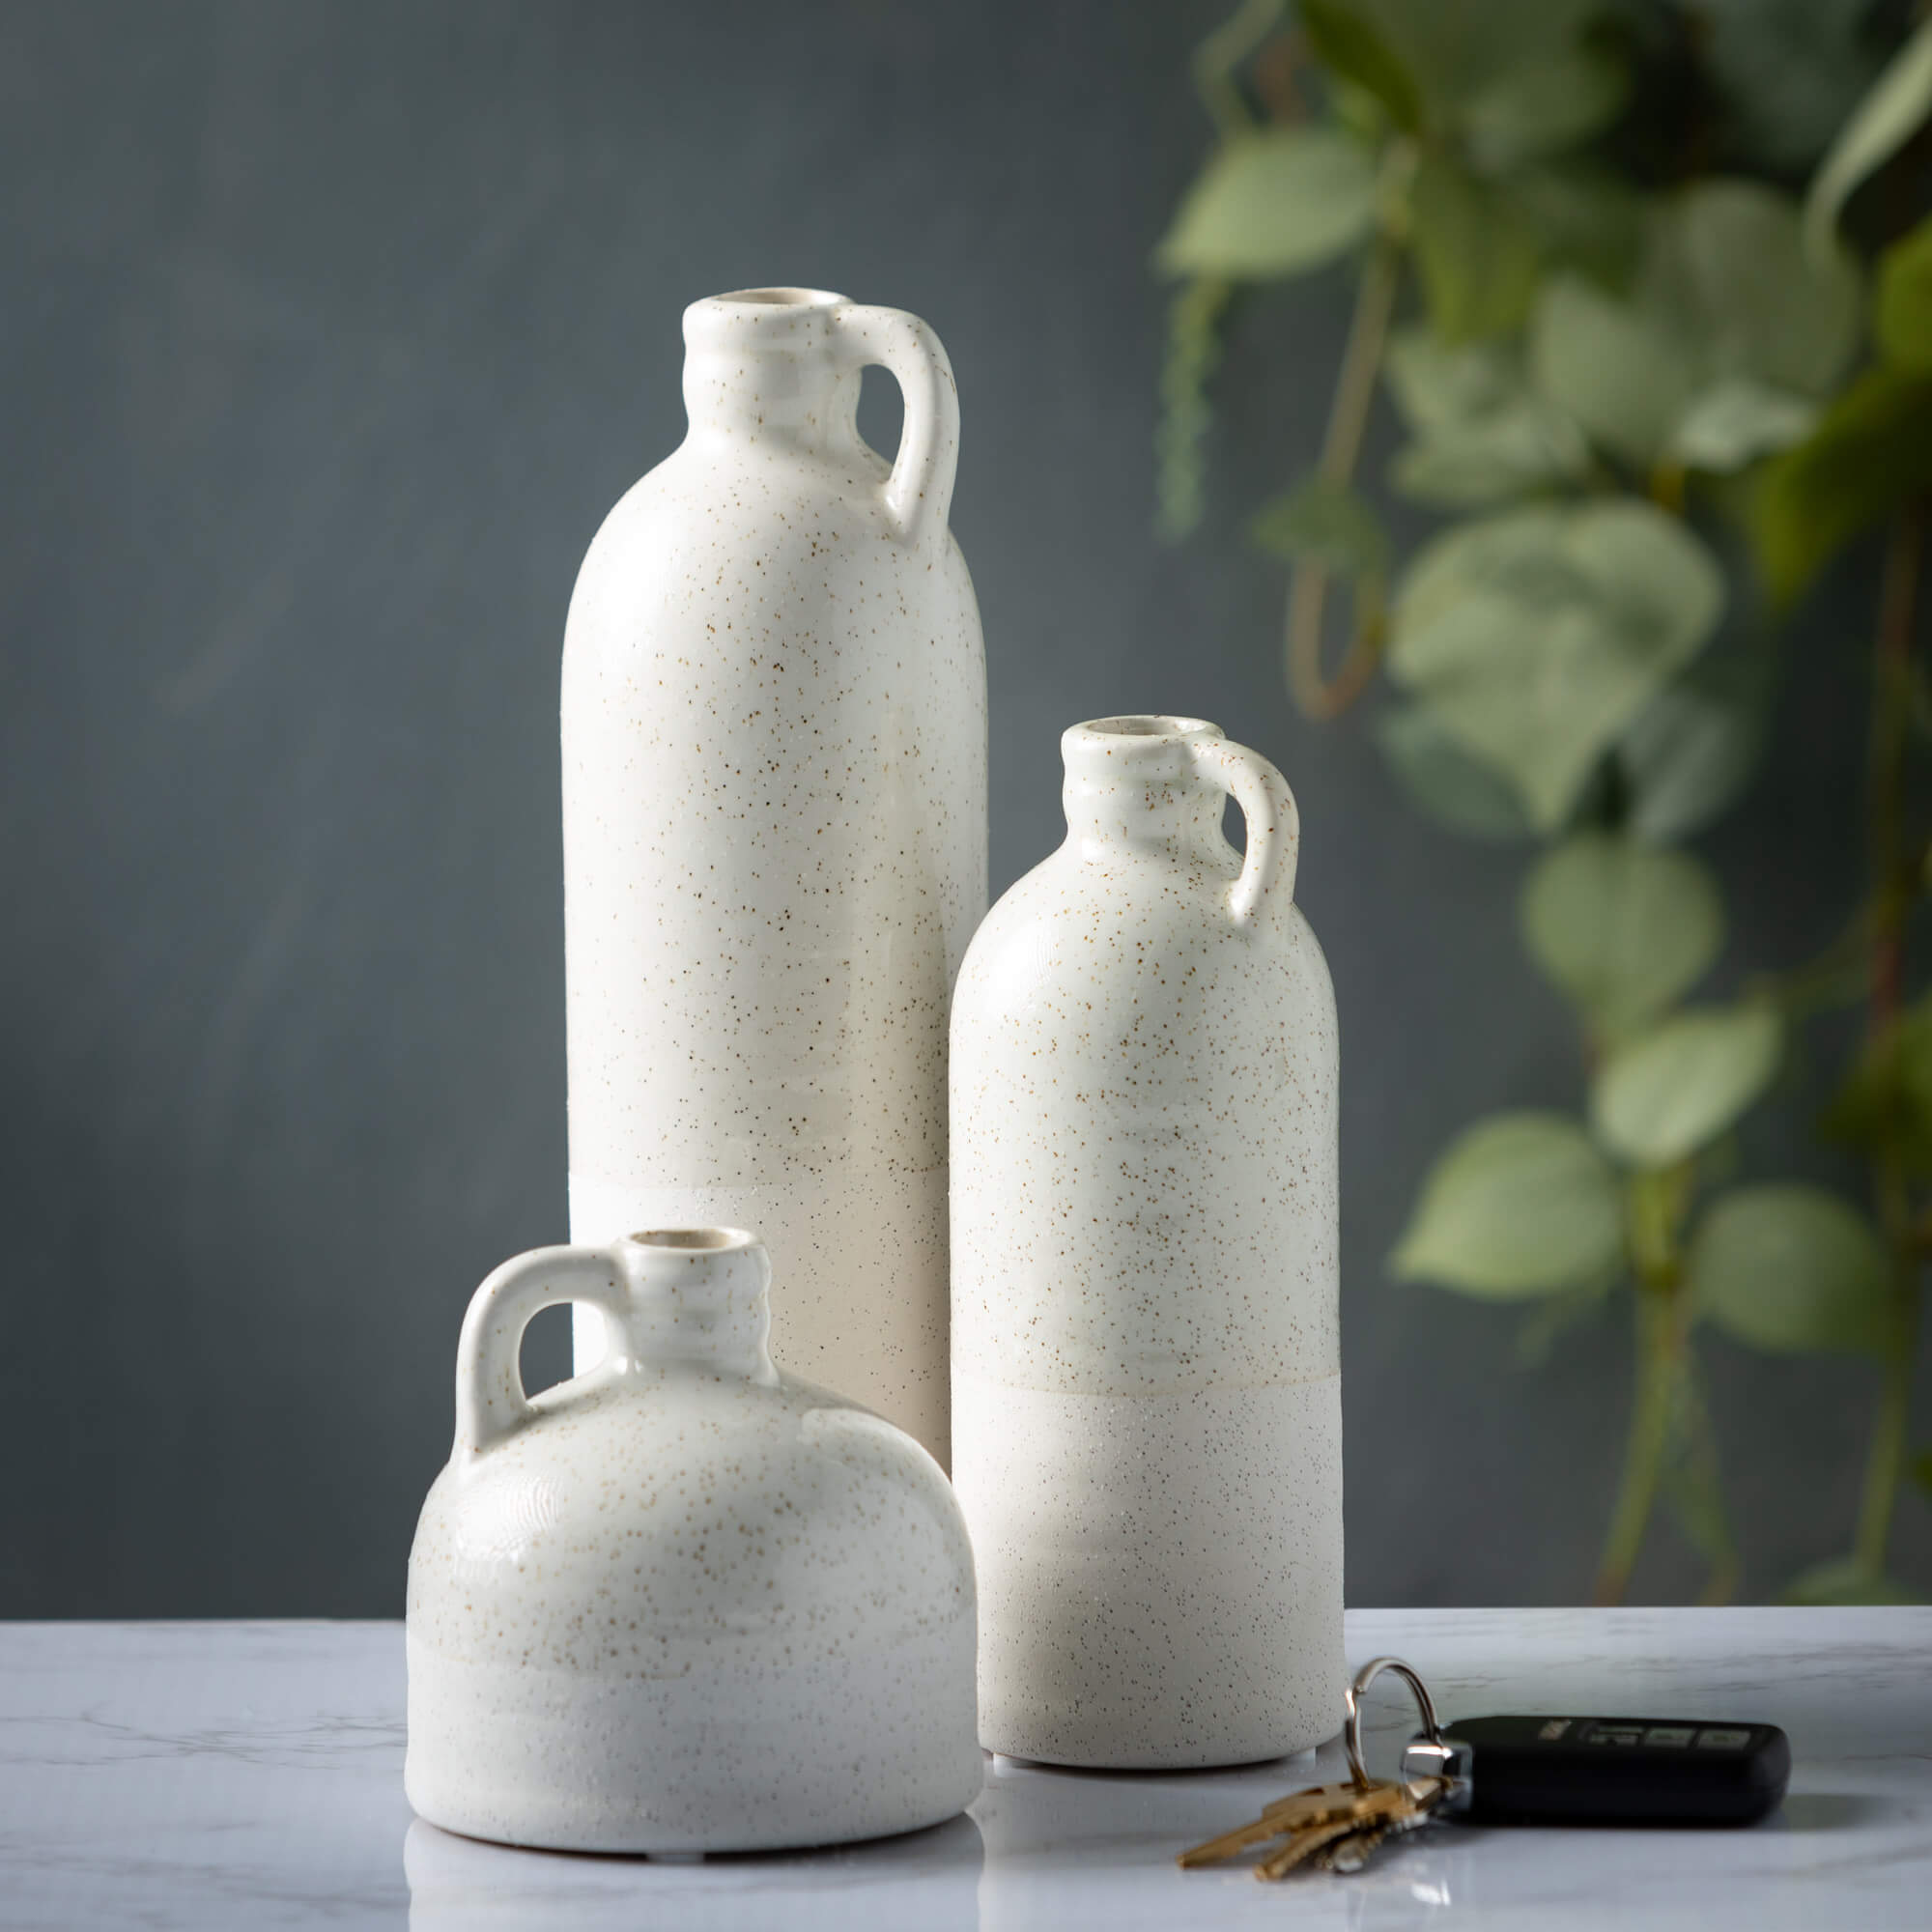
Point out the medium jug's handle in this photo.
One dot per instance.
(1274, 825)
(490, 1399)
(918, 494)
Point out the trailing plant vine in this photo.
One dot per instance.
(1654, 389)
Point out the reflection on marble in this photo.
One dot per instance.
(209, 1776)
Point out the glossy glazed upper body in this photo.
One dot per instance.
(774, 835)
(642, 1603)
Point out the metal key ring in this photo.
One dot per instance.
(1352, 1729)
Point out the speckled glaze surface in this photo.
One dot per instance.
(1146, 1362)
(775, 836)
(682, 1602)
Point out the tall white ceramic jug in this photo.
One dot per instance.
(775, 836)
(1146, 1399)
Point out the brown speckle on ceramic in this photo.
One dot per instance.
(775, 836)
(684, 1602)
(1146, 1364)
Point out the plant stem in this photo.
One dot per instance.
(1885, 830)
(1222, 52)
(1884, 1462)
(1654, 1205)
(1666, 1412)
(1892, 893)
(1318, 696)
(1656, 1367)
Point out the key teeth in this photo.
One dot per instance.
(1331, 1827)
(1351, 1854)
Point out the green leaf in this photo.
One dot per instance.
(1884, 119)
(1481, 432)
(1325, 523)
(1788, 72)
(1921, 1470)
(1585, 217)
(1277, 203)
(1729, 261)
(1623, 371)
(1871, 452)
(1659, 1098)
(1737, 421)
(1456, 51)
(1348, 44)
(1538, 635)
(1444, 780)
(1790, 1268)
(1623, 928)
(1902, 317)
(1506, 458)
(1846, 1579)
(1729, 319)
(1439, 388)
(1694, 748)
(1518, 1204)
(1538, 110)
(1884, 1105)
(1476, 255)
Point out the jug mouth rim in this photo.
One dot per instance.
(1136, 733)
(767, 299)
(773, 320)
(695, 1240)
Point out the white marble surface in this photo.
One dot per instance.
(250, 1774)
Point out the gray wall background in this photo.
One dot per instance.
(330, 331)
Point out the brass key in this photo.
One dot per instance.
(1320, 1804)
(1351, 1857)
(1311, 1819)
(1338, 1826)
(1379, 1808)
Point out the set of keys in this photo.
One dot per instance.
(1524, 1769)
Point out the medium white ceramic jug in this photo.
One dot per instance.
(774, 835)
(1146, 1375)
(682, 1602)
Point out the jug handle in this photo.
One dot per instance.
(918, 493)
(1274, 824)
(490, 1399)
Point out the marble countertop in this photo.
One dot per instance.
(250, 1774)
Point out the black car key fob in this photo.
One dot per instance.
(1606, 1770)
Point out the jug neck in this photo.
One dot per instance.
(764, 363)
(698, 1296)
(1133, 781)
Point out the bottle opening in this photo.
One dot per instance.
(693, 1237)
(1144, 725)
(781, 297)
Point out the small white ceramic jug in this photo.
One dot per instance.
(1146, 1400)
(681, 1602)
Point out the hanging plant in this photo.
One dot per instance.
(1652, 389)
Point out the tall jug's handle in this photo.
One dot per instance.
(919, 491)
(1274, 825)
(490, 1399)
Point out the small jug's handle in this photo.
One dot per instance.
(1274, 825)
(490, 1399)
(919, 491)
